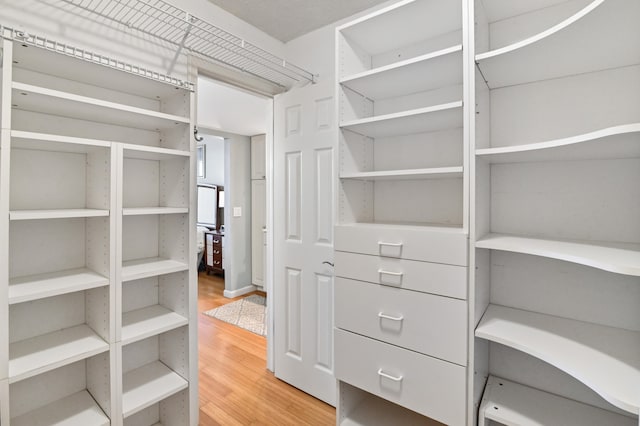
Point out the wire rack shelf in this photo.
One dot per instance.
(160, 19)
(87, 55)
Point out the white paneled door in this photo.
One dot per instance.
(303, 239)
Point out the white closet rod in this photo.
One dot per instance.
(173, 25)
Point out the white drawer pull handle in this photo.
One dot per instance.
(389, 249)
(382, 243)
(388, 376)
(389, 317)
(395, 274)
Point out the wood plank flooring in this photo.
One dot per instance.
(235, 386)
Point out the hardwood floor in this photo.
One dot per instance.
(235, 386)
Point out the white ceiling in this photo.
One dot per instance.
(288, 19)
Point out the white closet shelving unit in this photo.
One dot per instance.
(555, 228)
(402, 233)
(97, 295)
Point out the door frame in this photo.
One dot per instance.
(257, 87)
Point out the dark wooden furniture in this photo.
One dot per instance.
(213, 252)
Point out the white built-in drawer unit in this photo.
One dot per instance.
(432, 325)
(439, 245)
(418, 382)
(436, 278)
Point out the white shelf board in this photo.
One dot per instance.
(374, 411)
(443, 68)
(408, 21)
(143, 152)
(48, 142)
(56, 214)
(150, 267)
(148, 385)
(30, 357)
(33, 287)
(408, 174)
(612, 142)
(75, 69)
(78, 409)
(418, 226)
(511, 404)
(569, 47)
(44, 100)
(149, 321)
(421, 120)
(605, 359)
(498, 10)
(140, 211)
(617, 258)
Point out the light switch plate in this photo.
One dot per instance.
(237, 211)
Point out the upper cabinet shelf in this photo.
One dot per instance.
(44, 353)
(48, 142)
(403, 24)
(443, 67)
(143, 211)
(606, 359)
(151, 267)
(49, 101)
(421, 120)
(153, 86)
(56, 214)
(142, 152)
(621, 259)
(33, 287)
(572, 46)
(612, 142)
(149, 321)
(410, 174)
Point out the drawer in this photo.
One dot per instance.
(436, 278)
(429, 386)
(216, 240)
(216, 251)
(432, 325)
(217, 263)
(439, 245)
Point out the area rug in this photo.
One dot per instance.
(248, 313)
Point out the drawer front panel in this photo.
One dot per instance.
(436, 278)
(432, 325)
(420, 383)
(449, 247)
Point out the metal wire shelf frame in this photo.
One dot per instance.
(86, 55)
(173, 25)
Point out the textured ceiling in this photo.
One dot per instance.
(288, 19)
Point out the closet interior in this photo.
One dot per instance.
(402, 232)
(96, 176)
(556, 244)
(487, 232)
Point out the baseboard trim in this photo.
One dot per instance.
(239, 292)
